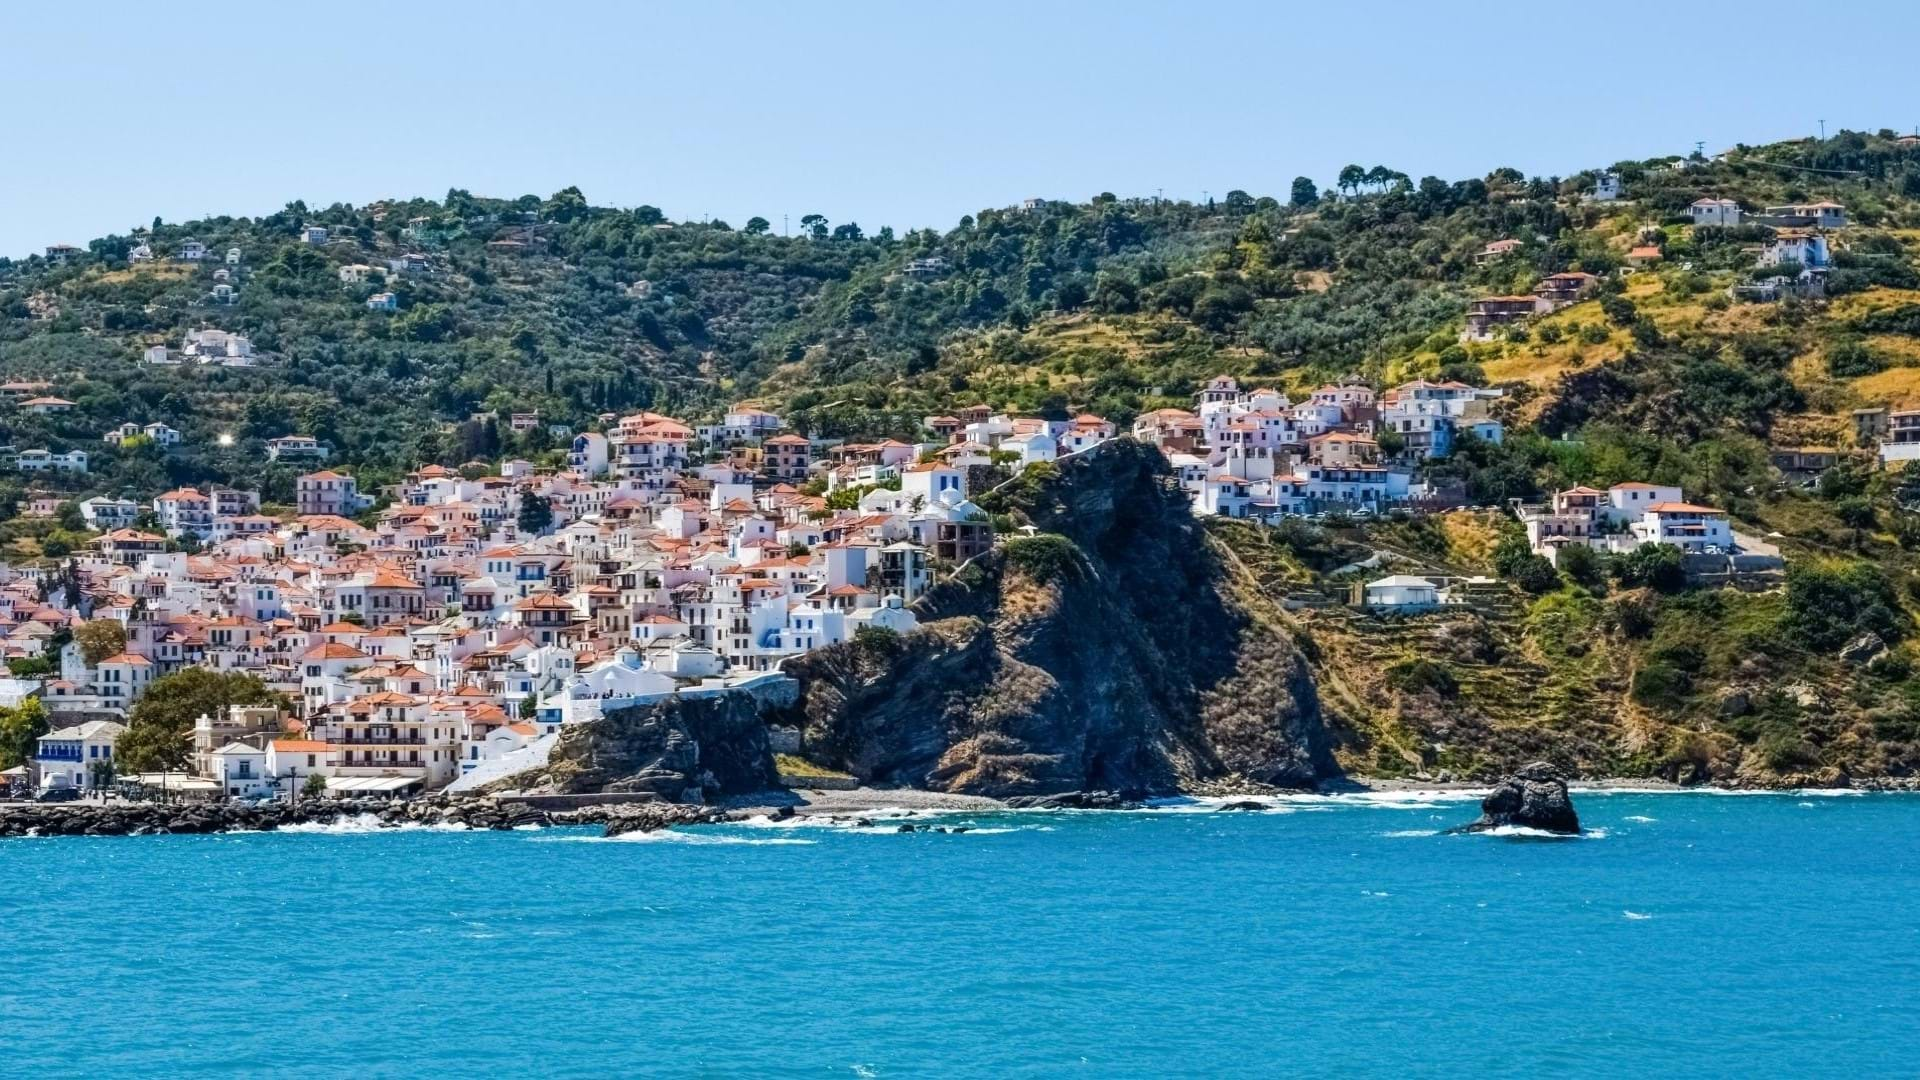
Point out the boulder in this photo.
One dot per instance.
(647, 817)
(1863, 649)
(1533, 798)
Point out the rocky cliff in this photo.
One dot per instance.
(682, 750)
(1114, 649)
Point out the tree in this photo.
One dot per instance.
(1351, 178)
(815, 225)
(1829, 603)
(160, 724)
(757, 226)
(1660, 567)
(1304, 192)
(315, 786)
(536, 514)
(100, 639)
(1582, 565)
(20, 731)
(1514, 560)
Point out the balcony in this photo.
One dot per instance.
(373, 740)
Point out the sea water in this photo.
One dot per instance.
(1695, 934)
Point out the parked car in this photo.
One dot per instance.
(62, 793)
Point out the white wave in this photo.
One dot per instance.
(1823, 793)
(1412, 832)
(1635, 915)
(1642, 819)
(675, 836)
(1540, 834)
(362, 824)
(1376, 895)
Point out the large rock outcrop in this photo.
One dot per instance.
(1114, 651)
(682, 750)
(1533, 798)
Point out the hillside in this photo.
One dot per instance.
(1120, 306)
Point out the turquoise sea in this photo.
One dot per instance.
(1691, 934)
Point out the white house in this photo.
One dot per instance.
(291, 761)
(1402, 592)
(1720, 212)
(103, 512)
(1686, 526)
(290, 447)
(70, 756)
(241, 770)
(1032, 446)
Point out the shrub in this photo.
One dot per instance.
(1660, 686)
(880, 639)
(1828, 604)
(1583, 565)
(1419, 676)
(1850, 359)
(1046, 558)
(1655, 566)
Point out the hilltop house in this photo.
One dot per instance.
(295, 447)
(1489, 314)
(1717, 212)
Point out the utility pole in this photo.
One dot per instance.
(1823, 130)
(783, 226)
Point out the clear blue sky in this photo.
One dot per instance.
(903, 114)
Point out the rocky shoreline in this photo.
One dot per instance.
(159, 819)
(489, 813)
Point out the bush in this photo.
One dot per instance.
(1047, 558)
(1659, 567)
(1516, 562)
(1892, 666)
(1851, 359)
(1829, 604)
(1420, 676)
(880, 639)
(1661, 686)
(1635, 615)
(1583, 565)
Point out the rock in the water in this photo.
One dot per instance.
(1533, 798)
(1243, 804)
(647, 817)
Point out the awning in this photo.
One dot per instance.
(371, 784)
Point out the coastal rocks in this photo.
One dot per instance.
(650, 817)
(157, 819)
(1533, 798)
(682, 750)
